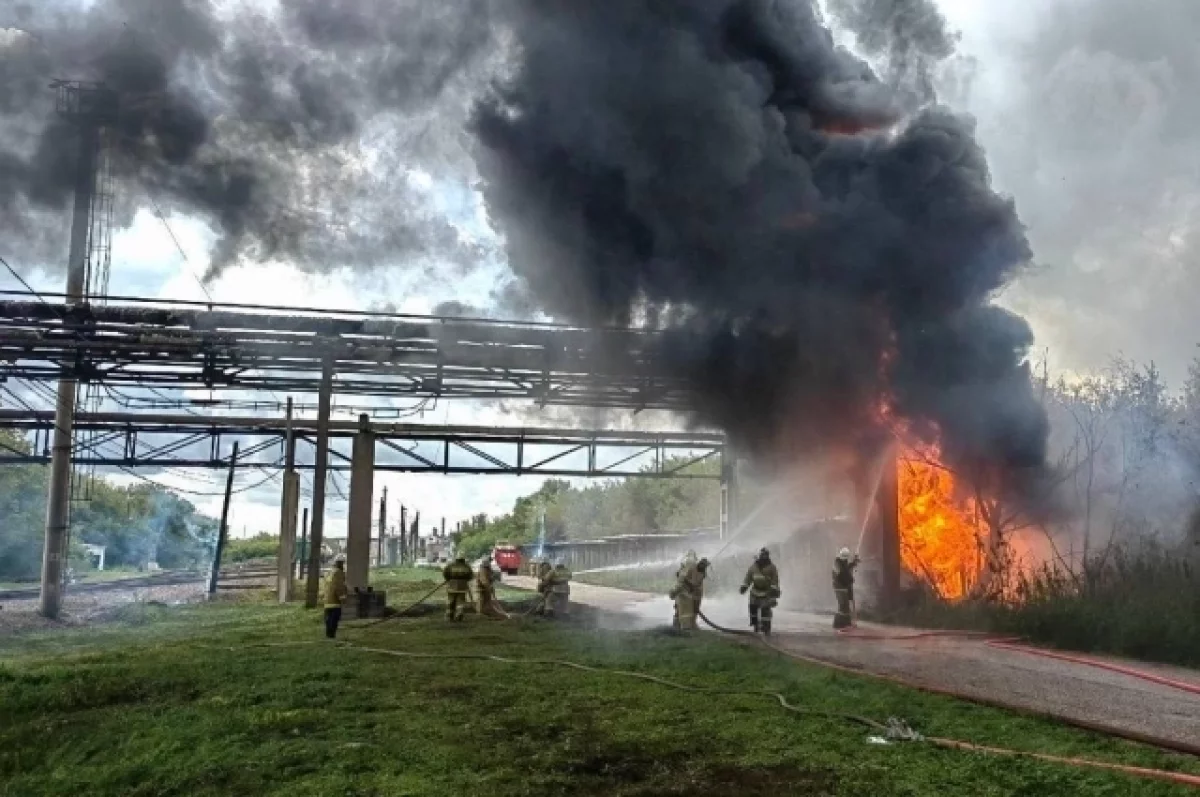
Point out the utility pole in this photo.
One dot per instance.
(406, 556)
(320, 472)
(301, 561)
(223, 532)
(382, 528)
(89, 106)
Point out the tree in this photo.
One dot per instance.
(22, 513)
(136, 524)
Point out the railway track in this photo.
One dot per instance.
(165, 578)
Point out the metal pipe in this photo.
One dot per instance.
(413, 430)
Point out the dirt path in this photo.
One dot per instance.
(965, 666)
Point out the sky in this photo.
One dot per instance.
(1083, 114)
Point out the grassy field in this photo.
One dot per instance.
(246, 698)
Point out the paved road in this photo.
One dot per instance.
(968, 667)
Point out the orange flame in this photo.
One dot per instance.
(939, 530)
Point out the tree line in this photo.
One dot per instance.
(601, 509)
(137, 524)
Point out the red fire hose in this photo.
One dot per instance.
(1141, 772)
(1014, 644)
(1097, 663)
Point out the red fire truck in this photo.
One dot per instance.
(507, 557)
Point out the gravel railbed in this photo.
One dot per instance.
(81, 608)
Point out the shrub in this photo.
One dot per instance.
(1142, 602)
(262, 546)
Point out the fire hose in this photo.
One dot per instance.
(893, 729)
(1087, 763)
(398, 614)
(1014, 644)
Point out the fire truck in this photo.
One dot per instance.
(507, 557)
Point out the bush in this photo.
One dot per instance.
(262, 546)
(1143, 603)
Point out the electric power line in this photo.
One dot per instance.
(158, 212)
(21, 280)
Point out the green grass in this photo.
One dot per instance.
(244, 697)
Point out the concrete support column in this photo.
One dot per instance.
(289, 509)
(362, 499)
(287, 536)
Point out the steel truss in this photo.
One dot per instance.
(133, 341)
(163, 441)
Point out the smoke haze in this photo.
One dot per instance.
(1090, 121)
(283, 128)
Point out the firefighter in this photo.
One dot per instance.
(556, 587)
(688, 590)
(843, 587)
(485, 584)
(688, 561)
(543, 571)
(335, 590)
(762, 580)
(458, 582)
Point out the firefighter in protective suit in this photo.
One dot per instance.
(486, 587)
(762, 580)
(458, 582)
(688, 590)
(688, 561)
(843, 587)
(334, 592)
(543, 570)
(556, 587)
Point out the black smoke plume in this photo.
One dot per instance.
(283, 131)
(812, 248)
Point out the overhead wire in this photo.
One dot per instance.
(21, 280)
(161, 217)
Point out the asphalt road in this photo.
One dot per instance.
(965, 666)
